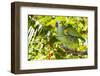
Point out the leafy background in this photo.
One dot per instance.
(44, 42)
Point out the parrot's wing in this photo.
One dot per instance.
(71, 43)
(73, 32)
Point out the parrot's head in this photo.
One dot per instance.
(57, 23)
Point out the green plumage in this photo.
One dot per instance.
(70, 39)
(73, 32)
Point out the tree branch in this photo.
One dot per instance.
(74, 52)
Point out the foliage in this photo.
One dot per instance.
(45, 43)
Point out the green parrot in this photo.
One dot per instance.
(69, 39)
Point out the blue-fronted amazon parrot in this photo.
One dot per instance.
(69, 39)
